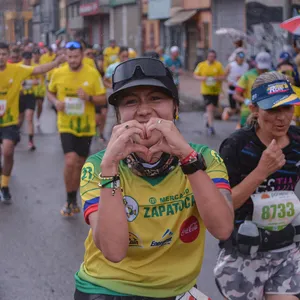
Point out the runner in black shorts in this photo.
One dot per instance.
(11, 133)
(72, 143)
(211, 99)
(28, 101)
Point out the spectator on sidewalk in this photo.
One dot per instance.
(211, 75)
(174, 64)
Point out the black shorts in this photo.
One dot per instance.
(11, 133)
(211, 99)
(232, 102)
(72, 143)
(83, 296)
(27, 102)
(98, 108)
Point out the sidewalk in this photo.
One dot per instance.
(190, 97)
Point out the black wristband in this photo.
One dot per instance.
(194, 166)
(91, 99)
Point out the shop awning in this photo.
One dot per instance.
(60, 31)
(180, 17)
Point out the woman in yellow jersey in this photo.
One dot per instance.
(149, 197)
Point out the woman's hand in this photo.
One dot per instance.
(121, 144)
(171, 142)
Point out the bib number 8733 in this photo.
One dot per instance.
(280, 211)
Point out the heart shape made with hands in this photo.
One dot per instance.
(155, 139)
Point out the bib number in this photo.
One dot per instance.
(275, 210)
(3, 105)
(28, 84)
(74, 106)
(193, 294)
(210, 81)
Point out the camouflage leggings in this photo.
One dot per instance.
(241, 277)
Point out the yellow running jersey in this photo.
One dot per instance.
(40, 88)
(10, 85)
(47, 58)
(65, 83)
(166, 232)
(110, 55)
(210, 86)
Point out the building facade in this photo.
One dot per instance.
(15, 20)
(96, 21)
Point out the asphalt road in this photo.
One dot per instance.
(39, 250)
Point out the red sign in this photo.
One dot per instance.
(189, 230)
(89, 9)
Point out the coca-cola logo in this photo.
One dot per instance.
(189, 230)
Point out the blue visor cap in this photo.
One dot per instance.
(274, 94)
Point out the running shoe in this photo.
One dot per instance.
(226, 114)
(75, 208)
(66, 210)
(6, 196)
(31, 146)
(211, 131)
(69, 209)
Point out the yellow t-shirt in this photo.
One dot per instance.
(40, 89)
(297, 107)
(65, 84)
(29, 85)
(90, 62)
(210, 86)
(10, 84)
(111, 55)
(47, 58)
(166, 232)
(132, 53)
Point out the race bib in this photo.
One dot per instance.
(74, 106)
(275, 210)
(113, 57)
(3, 105)
(210, 81)
(27, 84)
(193, 294)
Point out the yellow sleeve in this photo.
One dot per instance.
(89, 186)
(198, 70)
(24, 71)
(99, 86)
(52, 87)
(243, 82)
(221, 69)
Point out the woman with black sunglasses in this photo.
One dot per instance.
(149, 197)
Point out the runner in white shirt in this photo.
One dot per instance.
(233, 72)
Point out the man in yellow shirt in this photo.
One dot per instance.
(48, 56)
(211, 74)
(111, 54)
(12, 76)
(75, 89)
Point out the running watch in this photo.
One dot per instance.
(198, 163)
